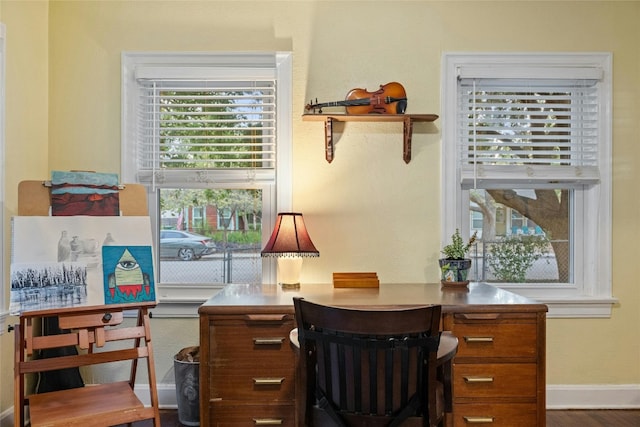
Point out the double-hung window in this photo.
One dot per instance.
(208, 135)
(526, 165)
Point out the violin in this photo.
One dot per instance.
(389, 99)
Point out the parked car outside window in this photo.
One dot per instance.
(184, 245)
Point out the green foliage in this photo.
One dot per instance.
(511, 257)
(174, 200)
(457, 248)
(200, 129)
(239, 237)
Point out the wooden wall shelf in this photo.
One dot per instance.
(407, 119)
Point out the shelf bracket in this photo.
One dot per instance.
(329, 146)
(328, 139)
(407, 120)
(408, 132)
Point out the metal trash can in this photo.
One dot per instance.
(186, 365)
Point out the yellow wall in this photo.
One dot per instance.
(26, 135)
(368, 210)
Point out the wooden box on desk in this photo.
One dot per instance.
(356, 280)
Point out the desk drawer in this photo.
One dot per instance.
(495, 380)
(242, 343)
(266, 385)
(495, 415)
(225, 415)
(496, 340)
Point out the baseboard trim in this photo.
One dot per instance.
(167, 398)
(588, 396)
(6, 418)
(593, 396)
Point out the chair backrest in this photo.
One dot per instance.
(367, 367)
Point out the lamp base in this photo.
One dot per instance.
(289, 272)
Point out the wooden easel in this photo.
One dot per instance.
(91, 329)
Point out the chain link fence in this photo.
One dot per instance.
(232, 264)
(243, 264)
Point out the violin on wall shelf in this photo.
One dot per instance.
(391, 98)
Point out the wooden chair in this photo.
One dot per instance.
(372, 367)
(101, 338)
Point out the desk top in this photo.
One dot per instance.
(481, 296)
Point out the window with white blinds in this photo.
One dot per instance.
(526, 155)
(209, 136)
(193, 125)
(538, 125)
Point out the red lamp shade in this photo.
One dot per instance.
(290, 238)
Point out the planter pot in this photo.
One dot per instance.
(454, 271)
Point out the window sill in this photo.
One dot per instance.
(566, 302)
(181, 300)
(587, 307)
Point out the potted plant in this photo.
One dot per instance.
(454, 267)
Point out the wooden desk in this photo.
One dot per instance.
(247, 366)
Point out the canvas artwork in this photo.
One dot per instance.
(64, 261)
(128, 274)
(84, 193)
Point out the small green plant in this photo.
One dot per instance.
(457, 249)
(511, 257)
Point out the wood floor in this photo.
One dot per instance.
(599, 418)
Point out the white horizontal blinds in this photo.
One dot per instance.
(529, 130)
(196, 125)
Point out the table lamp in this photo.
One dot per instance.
(289, 242)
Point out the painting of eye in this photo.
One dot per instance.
(129, 277)
(127, 265)
(127, 270)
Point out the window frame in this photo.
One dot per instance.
(4, 312)
(590, 294)
(176, 300)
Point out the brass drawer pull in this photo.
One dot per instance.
(478, 420)
(268, 341)
(265, 317)
(479, 316)
(478, 339)
(267, 421)
(476, 380)
(268, 381)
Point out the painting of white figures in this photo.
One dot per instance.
(60, 262)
